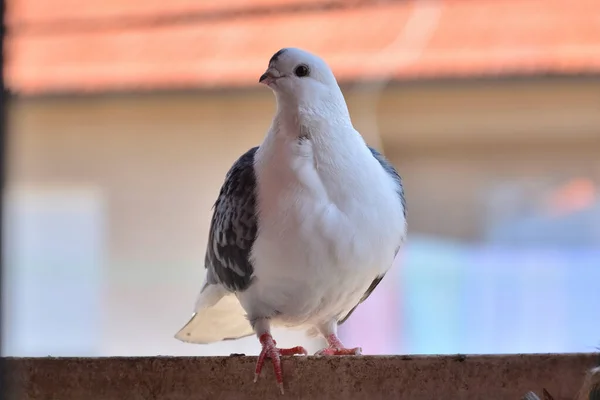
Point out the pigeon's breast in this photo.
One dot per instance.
(325, 232)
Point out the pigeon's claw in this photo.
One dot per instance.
(269, 350)
(336, 348)
(332, 351)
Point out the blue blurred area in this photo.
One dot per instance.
(53, 286)
(492, 299)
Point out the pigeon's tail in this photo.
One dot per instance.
(219, 316)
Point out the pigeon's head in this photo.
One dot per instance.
(298, 75)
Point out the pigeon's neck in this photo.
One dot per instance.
(326, 113)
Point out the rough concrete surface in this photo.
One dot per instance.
(365, 377)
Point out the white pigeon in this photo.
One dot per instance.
(306, 224)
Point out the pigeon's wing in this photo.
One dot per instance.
(233, 228)
(218, 313)
(389, 168)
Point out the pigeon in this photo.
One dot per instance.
(306, 224)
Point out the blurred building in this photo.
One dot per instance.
(127, 114)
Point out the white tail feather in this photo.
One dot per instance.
(219, 316)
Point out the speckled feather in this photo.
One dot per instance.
(233, 227)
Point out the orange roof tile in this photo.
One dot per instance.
(390, 39)
(39, 12)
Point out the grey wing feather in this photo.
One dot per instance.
(233, 227)
(389, 168)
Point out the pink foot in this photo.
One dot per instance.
(269, 350)
(329, 351)
(336, 348)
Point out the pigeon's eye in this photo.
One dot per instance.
(301, 71)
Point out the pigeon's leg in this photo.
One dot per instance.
(335, 346)
(269, 350)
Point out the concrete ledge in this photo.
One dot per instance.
(365, 377)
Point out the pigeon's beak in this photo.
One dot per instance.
(269, 77)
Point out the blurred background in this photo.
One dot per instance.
(125, 115)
